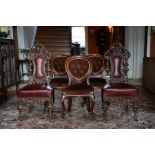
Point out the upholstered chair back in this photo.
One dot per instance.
(78, 68)
(38, 67)
(57, 63)
(117, 63)
(97, 64)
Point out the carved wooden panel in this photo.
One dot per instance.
(149, 74)
(8, 63)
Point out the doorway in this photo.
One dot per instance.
(78, 40)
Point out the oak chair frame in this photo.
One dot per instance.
(117, 49)
(37, 51)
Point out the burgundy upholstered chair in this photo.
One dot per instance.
(117, 79)
(38, 88)
(78, 69)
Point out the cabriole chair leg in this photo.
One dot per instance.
(50, 109)
(31, 105)
(69, 104)
(105, 107)
(45, 105)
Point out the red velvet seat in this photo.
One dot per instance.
(38, 88)
(35, 90)
(116, 75)
(120, 89)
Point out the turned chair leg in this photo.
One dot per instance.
(126, 107)
(20, 108)
(31, 105)
(86, 103)
(45, 105)
(135, 110)
(127, 102)
(69, 104)
(50, 109)
(91, 105)
(105, 107)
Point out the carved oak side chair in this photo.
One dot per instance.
(38, 88)
(78, 69)
(117, 86)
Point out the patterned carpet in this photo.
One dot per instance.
(117, 117)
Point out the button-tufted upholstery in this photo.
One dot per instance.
(58, 64)
(97, 62)
(78, 69)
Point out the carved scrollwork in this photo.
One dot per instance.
(117, 56)
(38, 67)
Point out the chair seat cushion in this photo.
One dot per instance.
(120, 89)
(97, 82)
(78, 90)
(35, 90)
(59, 82)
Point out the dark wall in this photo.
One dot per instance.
(152, 45)
(100, 38)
